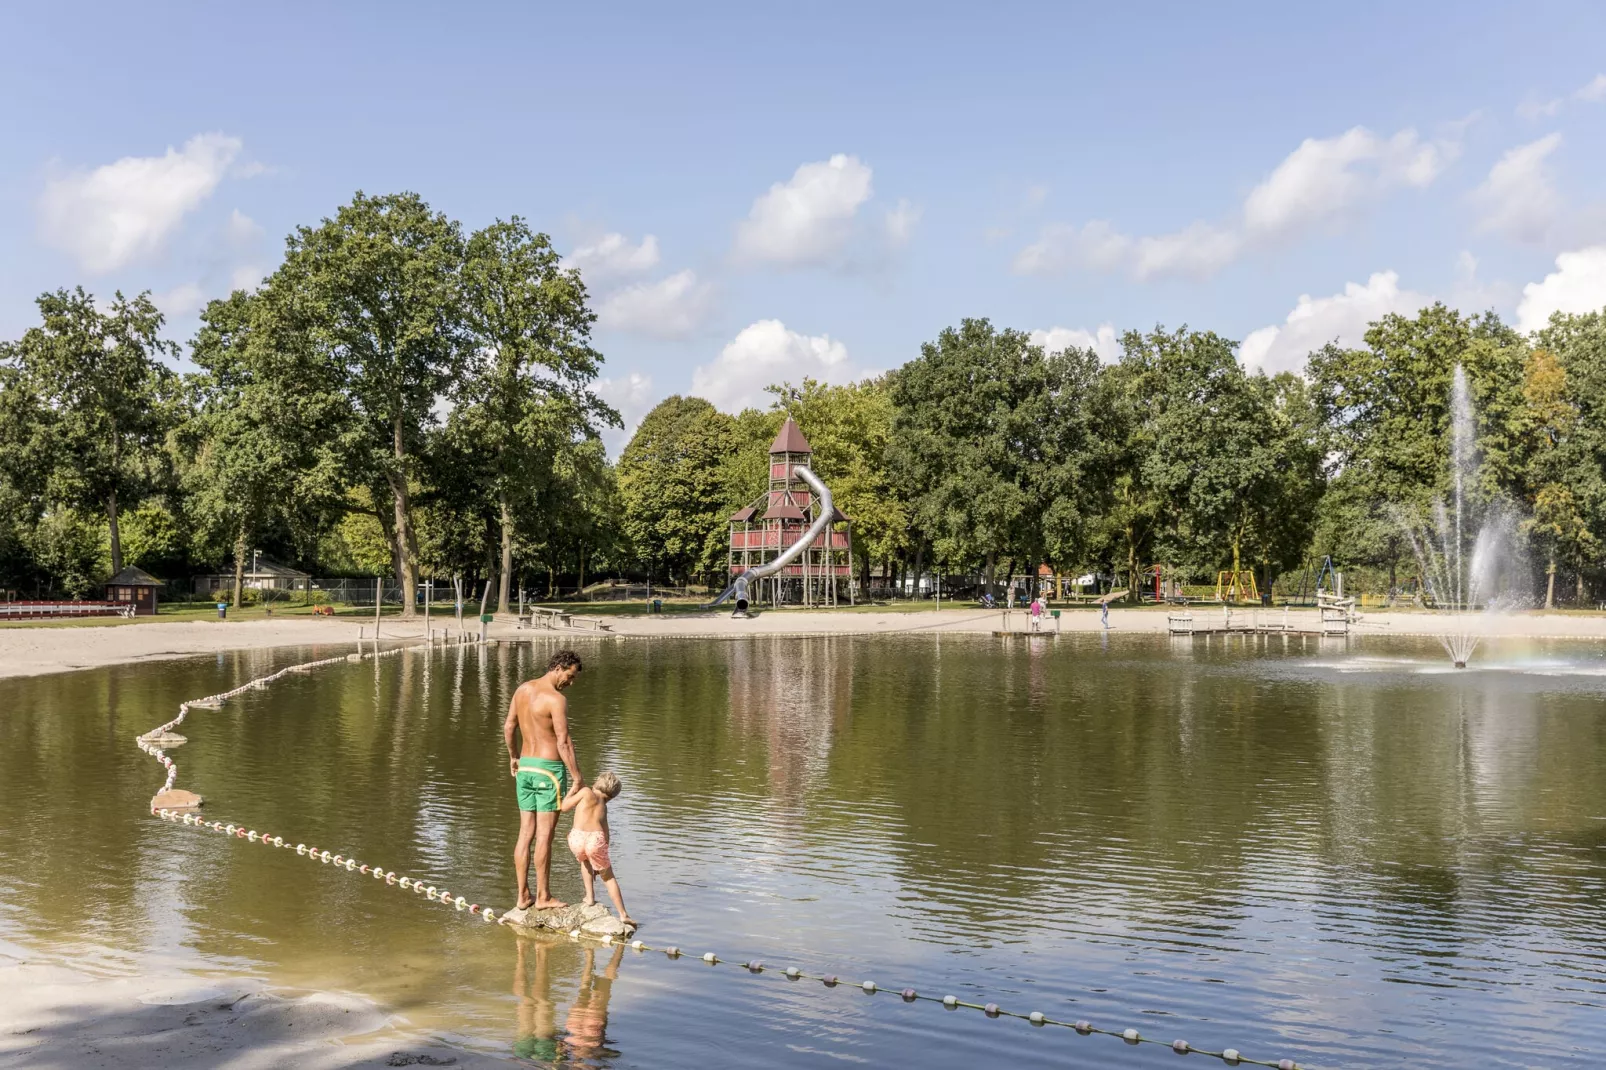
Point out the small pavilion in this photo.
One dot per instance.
(136, 587)
(777, 519)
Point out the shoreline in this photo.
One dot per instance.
(59, 1016)
(35, 651)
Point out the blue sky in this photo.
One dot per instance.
(758, 193)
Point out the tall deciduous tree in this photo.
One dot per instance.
(1565, 387)
(975, 413)
(527, 394)
(380, 287)
(672, 486)
(104, 400)
(268, 426)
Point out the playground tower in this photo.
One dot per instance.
(823, 574)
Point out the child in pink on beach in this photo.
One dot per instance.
(588, 839)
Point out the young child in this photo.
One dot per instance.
(588, 839)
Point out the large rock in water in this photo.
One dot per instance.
(593, 920)
(176, 799)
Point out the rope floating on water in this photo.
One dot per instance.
(1229, 1056)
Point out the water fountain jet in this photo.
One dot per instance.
(1458, 583)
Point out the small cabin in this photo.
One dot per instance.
(137, 588)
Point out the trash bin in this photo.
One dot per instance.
(657, 605)
(222, 611)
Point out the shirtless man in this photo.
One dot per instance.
(543, 766)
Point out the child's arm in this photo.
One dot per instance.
(571, 800)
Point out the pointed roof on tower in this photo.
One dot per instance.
(790, 439)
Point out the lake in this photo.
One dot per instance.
(1337, 853)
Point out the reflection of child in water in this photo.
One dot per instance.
(588, 839)
(583, 1039)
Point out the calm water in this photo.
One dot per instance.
(1339, 855)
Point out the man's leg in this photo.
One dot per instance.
(545, 822)
(521, 856)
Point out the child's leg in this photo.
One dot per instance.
(616, 895)
(589, 877)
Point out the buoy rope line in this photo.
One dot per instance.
(1229, 1056)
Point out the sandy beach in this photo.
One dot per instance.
(35, 651)
(57, 1016)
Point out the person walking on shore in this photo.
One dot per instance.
(543, 765)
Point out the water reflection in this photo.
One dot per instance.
(545, 969)
(1269, 840)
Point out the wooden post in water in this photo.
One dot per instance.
(484, 599)
(379, 594)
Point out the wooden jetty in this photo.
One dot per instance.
(1333, 616)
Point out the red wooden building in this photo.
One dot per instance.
(823, 574)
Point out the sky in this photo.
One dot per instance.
(759, 193)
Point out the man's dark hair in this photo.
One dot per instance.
(564, 659)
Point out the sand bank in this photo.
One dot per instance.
(56, 1016)
(32, 651)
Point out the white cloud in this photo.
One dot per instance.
(241, 229)
(181, 302)
(246, 277)
(1578, 285)
(1518, 198)
(767, 353)
(117, 213)
(1341, 318)
(1061, 246)
(808, 219)
(1533, 108)
(673, 307)
(632, 395)
(900, 223)
(1321, 180)
(1594, 90)
(612, 256)
(1103, 341)
(1326, 177)
(1198, 250)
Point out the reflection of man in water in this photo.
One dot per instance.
(583, 1037)
(542, 765)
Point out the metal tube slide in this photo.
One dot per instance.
(825, 509)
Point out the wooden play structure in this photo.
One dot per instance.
(775, 523)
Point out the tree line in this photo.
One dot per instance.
(988, 456)
(401, 398)
(397, 397)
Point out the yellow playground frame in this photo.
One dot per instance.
(1237, 585)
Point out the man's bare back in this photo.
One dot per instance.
(534, 704)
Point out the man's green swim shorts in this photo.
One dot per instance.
(542, 784)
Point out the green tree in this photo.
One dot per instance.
(974, 416)
(1386, 412)
(104, 401)
(1565, 388)
(378, 288)
(265, 440)
(532, 331)
(672, 487)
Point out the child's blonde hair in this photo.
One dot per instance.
(607, 785)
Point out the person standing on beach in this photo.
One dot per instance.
(543, 765)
